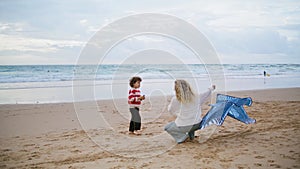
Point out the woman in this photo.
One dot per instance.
(186, 105)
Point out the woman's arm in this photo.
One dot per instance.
(173, 106)
(205, 95)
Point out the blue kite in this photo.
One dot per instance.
(227, 106)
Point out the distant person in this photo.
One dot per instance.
(186, 105)
(134, 101)
(265, 73)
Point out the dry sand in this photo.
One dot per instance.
(50, 136)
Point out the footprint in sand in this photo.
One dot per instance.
(35, 155)
(260, 157)
(6, 150)
(175, 152)
(257, 164)
(29, 145)
(144, 165)
(271, 161)
(123, 132)
(76, 151)
(3, 166)
(25, 151)
(149, 134)
(275, 165)
(242, 166)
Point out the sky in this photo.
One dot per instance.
(56, 31)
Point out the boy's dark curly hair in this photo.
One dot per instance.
(133, 80)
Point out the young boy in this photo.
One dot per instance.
(134, 101)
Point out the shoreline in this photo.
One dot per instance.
(107, 99)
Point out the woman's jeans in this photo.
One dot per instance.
(181, 133)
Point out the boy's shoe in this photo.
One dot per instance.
(138, 132)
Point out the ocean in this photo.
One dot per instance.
(58, 83)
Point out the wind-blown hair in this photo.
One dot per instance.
(133, 80)
(184, 92)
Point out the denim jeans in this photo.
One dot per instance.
(181, 133)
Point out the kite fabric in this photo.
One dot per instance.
(227, 106)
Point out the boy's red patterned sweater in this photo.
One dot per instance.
(133, 100)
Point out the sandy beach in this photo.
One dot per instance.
(55, 136)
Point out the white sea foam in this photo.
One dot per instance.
(54, 83)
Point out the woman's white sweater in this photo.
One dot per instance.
(188, 113)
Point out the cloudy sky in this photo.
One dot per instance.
(55, 31)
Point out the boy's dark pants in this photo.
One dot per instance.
(135, 123)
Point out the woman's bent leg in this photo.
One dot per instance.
(192, 130)
(178, 134)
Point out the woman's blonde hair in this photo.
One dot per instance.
(184, 92)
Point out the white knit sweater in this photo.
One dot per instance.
(188, 113)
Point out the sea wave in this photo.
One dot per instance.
(24, 76)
